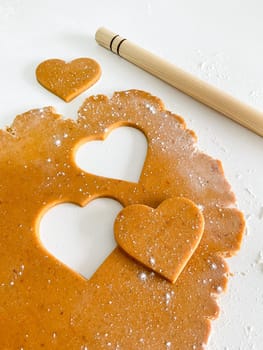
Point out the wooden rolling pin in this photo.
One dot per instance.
(198, 89)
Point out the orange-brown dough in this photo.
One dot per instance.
(68, 80)
(44, 304)
(163, 239)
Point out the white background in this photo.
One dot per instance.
(219, 41)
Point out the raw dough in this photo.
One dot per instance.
(163, 239)
(68, 80)
(43, 304)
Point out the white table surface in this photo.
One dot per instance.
(219, 41)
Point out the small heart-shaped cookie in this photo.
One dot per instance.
(68, 80)
(163, 239)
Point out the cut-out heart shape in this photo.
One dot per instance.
(163, 239)
(68, 80)
(78, 236)
(120, 156)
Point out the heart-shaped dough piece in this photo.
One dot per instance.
(163, 239)
(68, 80)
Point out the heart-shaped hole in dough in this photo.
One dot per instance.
(120, 156)
(80, 237)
